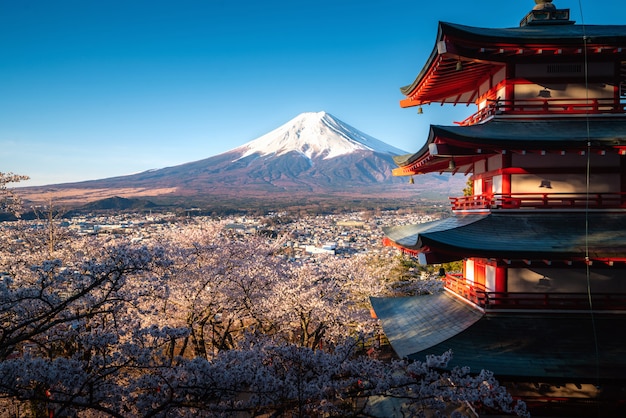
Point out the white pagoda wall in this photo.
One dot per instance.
(569, 176)
(564, 91)
(557, 280)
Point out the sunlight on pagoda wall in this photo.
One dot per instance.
(555, 280)
(486, 87)
(496, 184)
(564, 91)
(469, 270)
(490, 278)
(564, 183)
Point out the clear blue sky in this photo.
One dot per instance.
(95, 89)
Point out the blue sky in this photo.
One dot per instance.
(95, 89)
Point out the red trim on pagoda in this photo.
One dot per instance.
(389, 243)
(540, 201)
(544, 107)
(502, 300)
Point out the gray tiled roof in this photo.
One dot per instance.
(540, 34)
(545, 346)
(545, 133)
(415, 324)
(551, 346)
(529, 135)
(519, 235)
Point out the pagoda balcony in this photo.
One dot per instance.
(532, 301)
(580, 201)
(541, 107)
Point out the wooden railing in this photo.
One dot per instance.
(540, 201)
(478, 295)
(546, 106)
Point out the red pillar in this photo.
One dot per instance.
(501, 279)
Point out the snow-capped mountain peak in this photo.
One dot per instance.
(315, 135)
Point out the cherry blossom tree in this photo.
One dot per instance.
(10, 201)
(198, 321)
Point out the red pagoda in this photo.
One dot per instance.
(541, 300)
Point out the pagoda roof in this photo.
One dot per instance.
(434, 318)
(480, 52)
(510, 345)
(541, 35)
(468, 143)
(518, 236)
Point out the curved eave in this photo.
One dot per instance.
(483, 51)
(516, 236)
(443, 83)
(440, 81)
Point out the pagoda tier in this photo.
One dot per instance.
(458, 148)
(468, 63)
(526, 261)
(544, 239)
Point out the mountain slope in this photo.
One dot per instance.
(314, 153)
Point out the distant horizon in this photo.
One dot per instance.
(95, 90)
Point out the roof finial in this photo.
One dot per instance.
(544, 13)
(543, 5)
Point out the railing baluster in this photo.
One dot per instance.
(539, 200)
(528, 300)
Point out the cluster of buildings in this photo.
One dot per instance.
(340, 235)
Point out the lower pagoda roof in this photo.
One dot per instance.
(498, 134)
(544, 346)
(413, 325)
(524, 235)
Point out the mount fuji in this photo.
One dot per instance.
(315, 136)
(314, 154)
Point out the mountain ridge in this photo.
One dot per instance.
(313, 154)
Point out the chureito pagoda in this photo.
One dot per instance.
(541, 299)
